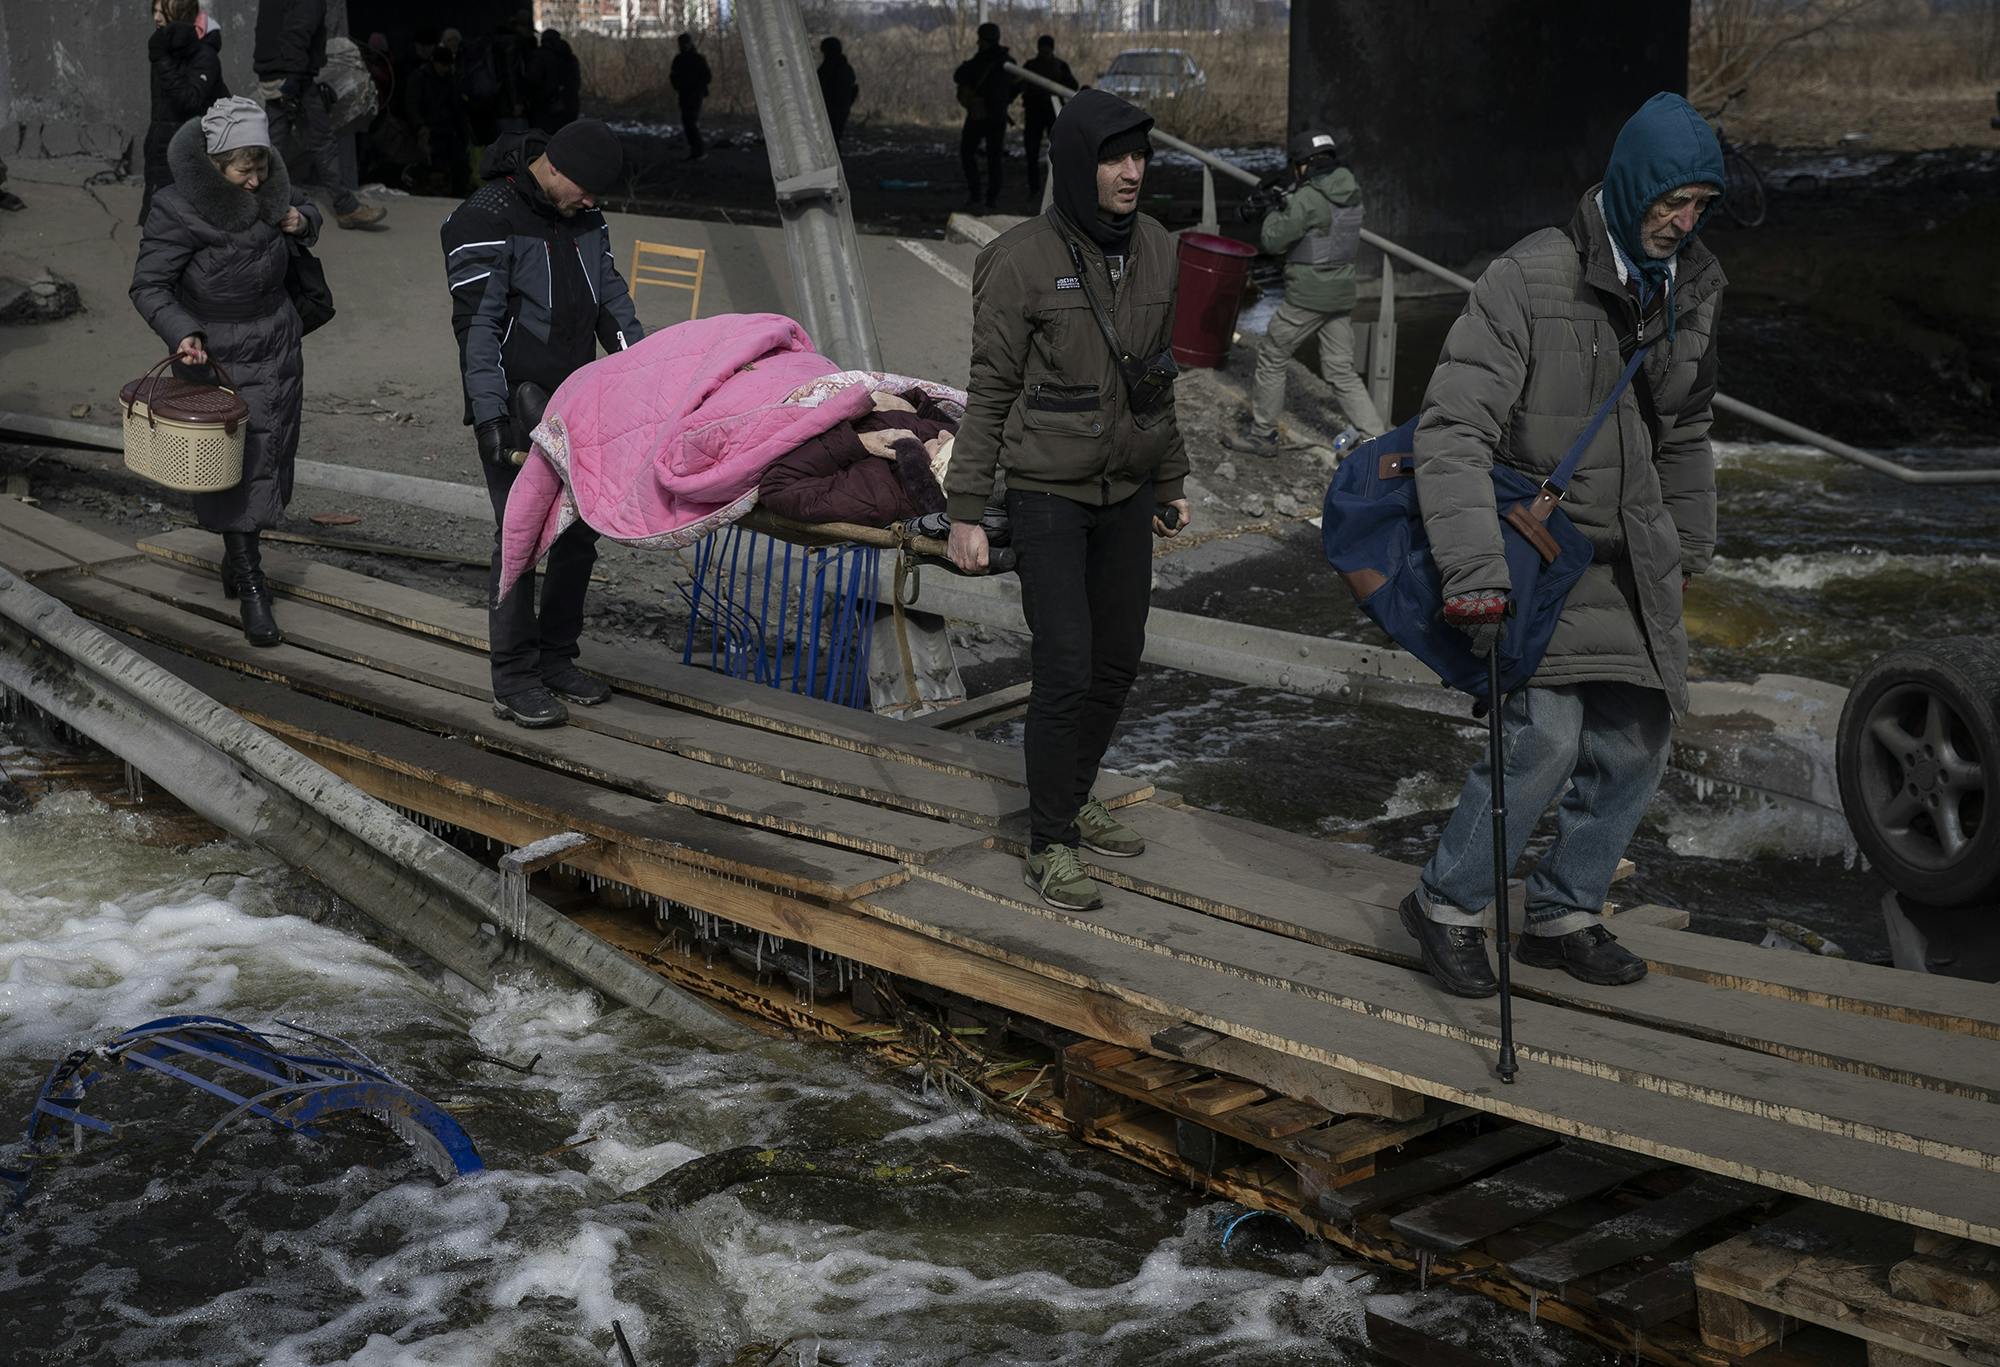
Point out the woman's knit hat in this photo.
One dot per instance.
(234, 122)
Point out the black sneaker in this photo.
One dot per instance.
(531, 707)
(573, 685)
(1454, 955)
(1592, 955)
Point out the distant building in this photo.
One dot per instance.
(1130, 16)
(630, 18)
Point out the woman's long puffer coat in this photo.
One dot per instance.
(213, 262)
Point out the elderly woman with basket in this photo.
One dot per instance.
(211, 280)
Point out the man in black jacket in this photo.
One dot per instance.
(534, 289)
(689, 77)
(290, 50)
(985, 89)
(1038, 107)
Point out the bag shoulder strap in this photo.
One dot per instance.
(1118, 351)
(1559, 478)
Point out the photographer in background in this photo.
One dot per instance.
(1316, 222)
(1071, 393)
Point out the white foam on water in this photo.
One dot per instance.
(1422, 792)
(1817, 569)
(880, 1298)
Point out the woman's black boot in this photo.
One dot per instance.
(253, 595)
(228, 570)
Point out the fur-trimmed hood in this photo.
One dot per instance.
(218, 202)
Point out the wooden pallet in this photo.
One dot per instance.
(1858, 1276)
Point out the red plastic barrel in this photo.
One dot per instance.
(1213, 270)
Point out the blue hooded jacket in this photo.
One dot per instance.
(1664, 146)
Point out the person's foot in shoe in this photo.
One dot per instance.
(1251, 441)
(1454, 955)
(1057, 874)
(1100, 831)
(12, 202)
(531, 707)
(573, 685)
(362, 216)
(1591, 955)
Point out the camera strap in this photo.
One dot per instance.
(1118, 351)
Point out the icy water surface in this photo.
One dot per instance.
(271, 1249)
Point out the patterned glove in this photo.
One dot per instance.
(1480, 616)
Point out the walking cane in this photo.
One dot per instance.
(1495, 758)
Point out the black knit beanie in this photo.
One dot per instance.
(587, 151)
(1134, 139)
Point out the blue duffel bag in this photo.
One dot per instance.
(1373, 532)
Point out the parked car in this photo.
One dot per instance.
(1152, 73)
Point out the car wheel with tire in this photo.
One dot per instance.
(1918, 754)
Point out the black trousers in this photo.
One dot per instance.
(1086, 645)
(1034, 128)
(526, 644)
(691, 126)
(993, 132)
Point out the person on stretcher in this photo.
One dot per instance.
(880, 469)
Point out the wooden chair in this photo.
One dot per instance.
(672, 272)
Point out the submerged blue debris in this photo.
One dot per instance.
(296, 1077)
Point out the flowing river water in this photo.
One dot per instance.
(270, 1249)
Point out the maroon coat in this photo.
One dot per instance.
(834, 478)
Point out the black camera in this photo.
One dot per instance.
(1149, 383)
(1261, 201)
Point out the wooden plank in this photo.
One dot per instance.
(1651, 1228)
(649, 673)
(1957, 1289)
(1097, 1056)
(786, 759)
(1897, 1118)
(1447, 1167)
(1405, 1343)
(1353, 910)
(20, 521)
(1341, 1145)
(362, 748)
(1529, 1190)
(1151, 1074)
(1219, 1095)
(1280, 1118)
(28, 559)
(1340, 1093)
(1734, 1326)
(1652, 1298)
(1920, 1190)
(1870, 990)
(635, 768)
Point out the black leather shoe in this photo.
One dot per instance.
(253, 594)
(531, 707)
(1454, 955)
(1592, 955)
(573, 685)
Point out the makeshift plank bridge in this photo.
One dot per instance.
(1244, 1010)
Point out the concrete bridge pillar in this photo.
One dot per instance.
(1471, 123)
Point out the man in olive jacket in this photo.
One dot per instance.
(1088, 453)
(1318, 228)
(1538, 348)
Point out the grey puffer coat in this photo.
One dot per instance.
(212, 262)
(1524, 368)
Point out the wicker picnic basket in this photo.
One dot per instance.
(184, 435)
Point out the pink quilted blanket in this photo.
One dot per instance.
(665, 441)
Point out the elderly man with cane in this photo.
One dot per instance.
(1597, 339)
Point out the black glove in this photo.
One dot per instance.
(496, 442)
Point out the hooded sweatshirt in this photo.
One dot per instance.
(1664, 146)
(1076, 141)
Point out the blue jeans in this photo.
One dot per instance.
(1606, 744)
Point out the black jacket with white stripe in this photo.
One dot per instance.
(532, 291)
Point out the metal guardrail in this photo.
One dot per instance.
(1783, 427)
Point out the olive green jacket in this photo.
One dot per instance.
(1524, 368)
(1323, 289)
(1046, 402)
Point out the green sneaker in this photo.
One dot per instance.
(1105, 833)
(1057, 874)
